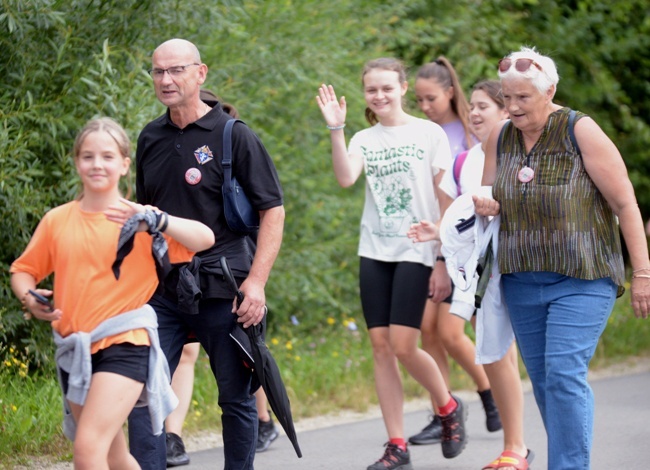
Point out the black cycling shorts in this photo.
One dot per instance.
(124, 359)
(393, 293)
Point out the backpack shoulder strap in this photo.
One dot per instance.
(226, 155)
(503, 131)
(572, 134)
(459, 161)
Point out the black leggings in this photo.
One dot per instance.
(393, 293)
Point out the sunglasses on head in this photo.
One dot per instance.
(521, 65)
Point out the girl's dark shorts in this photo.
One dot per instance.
(393, 293)
(124, 359)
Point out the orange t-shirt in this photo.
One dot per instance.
(80, 248)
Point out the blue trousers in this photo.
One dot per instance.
(212, 326)
(557, 321)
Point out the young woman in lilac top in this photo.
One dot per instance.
(440, 97)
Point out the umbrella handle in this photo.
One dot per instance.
(230, 279)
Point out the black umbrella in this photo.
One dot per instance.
(251, 342)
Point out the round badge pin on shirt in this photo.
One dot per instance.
(526, 174)
(193, 176)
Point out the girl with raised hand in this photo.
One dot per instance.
(108, 355)
(403, 159)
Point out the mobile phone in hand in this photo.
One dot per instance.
(41, 299)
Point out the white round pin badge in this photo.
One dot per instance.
(526, 174)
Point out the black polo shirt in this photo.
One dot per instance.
(179, 171)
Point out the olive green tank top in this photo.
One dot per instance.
(558, 221)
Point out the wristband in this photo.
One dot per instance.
(440, 258)
(165, 217)
(646, 276)
(640, 269)
(336, 128)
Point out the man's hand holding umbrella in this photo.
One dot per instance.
(264, 365)
(252, 306)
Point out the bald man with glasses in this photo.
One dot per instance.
(178, 169)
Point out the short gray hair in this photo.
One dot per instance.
(542, 80)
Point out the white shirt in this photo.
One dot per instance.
(471, 174)
(400, 163)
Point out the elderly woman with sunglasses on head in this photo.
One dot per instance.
(563, 193)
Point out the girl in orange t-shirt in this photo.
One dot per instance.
(78, 242)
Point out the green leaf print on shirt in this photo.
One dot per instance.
(393, 203)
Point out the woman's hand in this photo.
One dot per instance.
(640, 295)
(423, 231)
(485, 206)
(333, 111)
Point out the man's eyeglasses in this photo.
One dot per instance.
(174, 71)
(521, 65)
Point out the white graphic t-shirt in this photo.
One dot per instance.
(400, 163)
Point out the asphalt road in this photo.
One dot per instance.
(622, 433)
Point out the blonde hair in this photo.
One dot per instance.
(117, 133)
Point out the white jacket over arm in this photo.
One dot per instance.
(465, 237)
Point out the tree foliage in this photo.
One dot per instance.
(600, 48)
(63, 62)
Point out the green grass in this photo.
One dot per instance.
(30, 422)
(326, 370)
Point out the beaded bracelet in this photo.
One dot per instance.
(336, 128)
